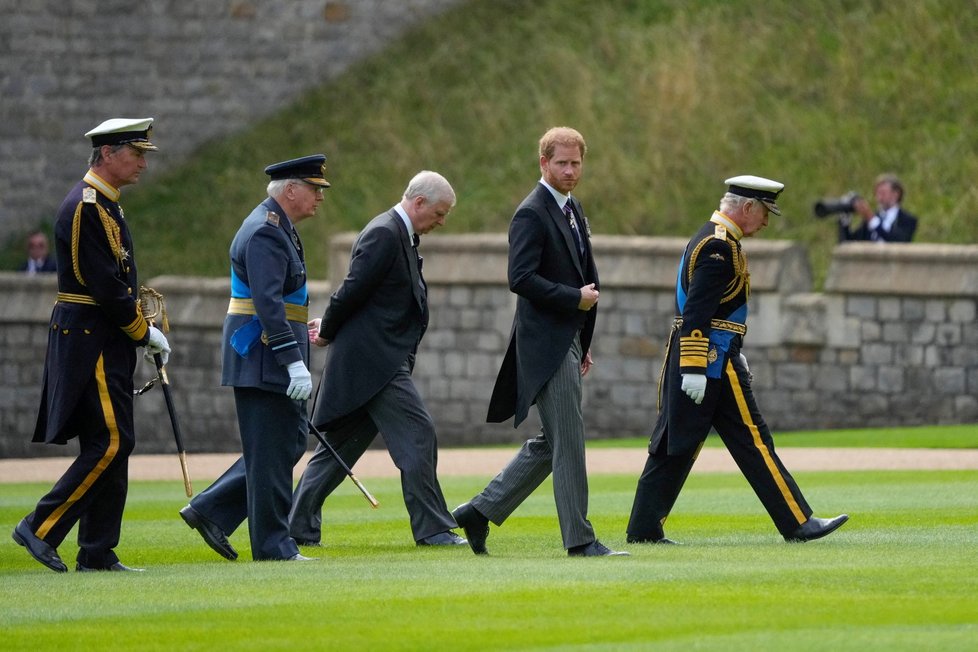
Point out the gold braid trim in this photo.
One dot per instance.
(75, 231)
(741, 275)
(114, 234)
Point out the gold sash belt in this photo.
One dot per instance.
(718, 324)
(293, 312)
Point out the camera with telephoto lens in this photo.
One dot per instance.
(840, 205)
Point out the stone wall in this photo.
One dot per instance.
(203, 69)
(893, 340)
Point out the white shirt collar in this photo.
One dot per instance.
(559, 197)
(407, 220)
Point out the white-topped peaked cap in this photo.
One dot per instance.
(767, 190)
(124, 131)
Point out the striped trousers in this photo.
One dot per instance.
(559, 448)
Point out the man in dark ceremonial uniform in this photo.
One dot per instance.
(266, 361)
(705, 381)
(95, 329)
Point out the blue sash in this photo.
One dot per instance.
(249, 333)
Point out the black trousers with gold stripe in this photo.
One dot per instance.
(92, 491)
(745, 434)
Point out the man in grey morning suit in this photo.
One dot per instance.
(373, 325)
(266, 358)
(551, 269)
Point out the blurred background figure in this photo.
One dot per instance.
(38, 255)
(888, 223)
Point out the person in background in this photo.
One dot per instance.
(266, 361)
(96, 327)
(39, 259)
(705, 381)
(889, 223)
(373, 326)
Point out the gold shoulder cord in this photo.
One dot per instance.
(741, 276)
(112, 232)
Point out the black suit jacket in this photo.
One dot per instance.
(904, 226)
(546, 273)
(374, 320)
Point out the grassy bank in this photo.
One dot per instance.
(673, 97)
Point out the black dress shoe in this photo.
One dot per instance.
(307, 543)
(664, 541)
(475, 526)
(816, 528)
(300, 557)
(595, 549)
(39, 550)
(212, 534)
(118, 566)
(448, 538)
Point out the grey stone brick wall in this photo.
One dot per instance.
(892, 341)
(203, 69)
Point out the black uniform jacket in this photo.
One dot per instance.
(96, 317)
(547, 274)
(712, 288)
(374, 321)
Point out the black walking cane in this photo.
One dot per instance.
(151, 304)
(336, 456)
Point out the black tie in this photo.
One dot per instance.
(569, 212)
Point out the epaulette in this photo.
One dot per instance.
(720, 232)
(88, 195)
(272, 218)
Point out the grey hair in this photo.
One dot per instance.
(730, 201)
(430, 185)
(96, 156)
(278, 186)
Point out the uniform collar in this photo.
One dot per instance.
(102, 186)
(733, 230)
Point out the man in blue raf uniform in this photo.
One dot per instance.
(96, 326)
(266, 358)
(705, 380)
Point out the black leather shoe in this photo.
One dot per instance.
(39, 550)
(212, 534)
(664, 541)
(118, 566)
(475, 526)
(308, 543)
(816, 528)
(595, 549)
(300, 557)
(448, 538)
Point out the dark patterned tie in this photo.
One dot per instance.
(569, 213)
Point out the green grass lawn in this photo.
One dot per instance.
(957, 436)
(899, 576)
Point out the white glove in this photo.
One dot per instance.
(743, 361)
(300, 381)
(695, 387)
(157, 344)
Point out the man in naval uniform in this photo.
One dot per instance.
(266, 361)
(705, 381)
(96, 326)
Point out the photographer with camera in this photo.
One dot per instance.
(890, 223)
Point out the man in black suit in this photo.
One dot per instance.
(372, 326)
(890, 223)
(39, 260)
(552, 272)
(705, 381)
